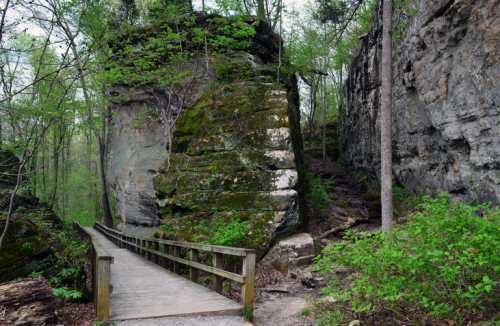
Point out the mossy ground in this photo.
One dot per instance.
(38, 243)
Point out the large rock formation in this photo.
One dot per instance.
(235, 150)
(446, 110)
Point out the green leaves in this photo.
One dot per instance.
(143, 56)
(66, 293)
(443, 263)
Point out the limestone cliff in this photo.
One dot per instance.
(446, 113)
(235, 151)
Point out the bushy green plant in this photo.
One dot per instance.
(443, 263)
(224, 231)
(66, 293)
(317, 193)
(231, 228)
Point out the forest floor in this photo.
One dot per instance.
(352, 198)
(338, 199)
(76, 314)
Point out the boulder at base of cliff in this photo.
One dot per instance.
(291, 252)
(27, 302)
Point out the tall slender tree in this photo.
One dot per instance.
(386, 118)
(261, 10)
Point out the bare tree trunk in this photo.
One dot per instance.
(386, 119)
(261, 10)
(107, 218)
(11, 200)
(324, 117)
(102, 142)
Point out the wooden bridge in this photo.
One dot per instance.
(136, 278)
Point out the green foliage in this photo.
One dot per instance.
(443, 263)
(65, 267)
(235, 229)
(229, 234)
(330, 318)
(142, 56)
(66, 293)
(223, 230)
(248, 313)
(317, 191)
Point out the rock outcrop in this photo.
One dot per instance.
(291, 252)
(235, 151)
(446, 113)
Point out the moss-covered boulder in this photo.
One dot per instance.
(228, 170)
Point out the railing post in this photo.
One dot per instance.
(218, 262)
(193, 272)
(156, 246)
(248, 288)
(103, 285)
(175, 252)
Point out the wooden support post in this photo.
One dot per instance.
(163, 249)
(175, 252)
(151, 246)
(218, 262)
(94, 275)
(156, 246)
(103, 287)
(166, 249)
(193, 272)
(248, 288)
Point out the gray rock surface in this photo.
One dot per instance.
(137, 151)
(446, 112)
(290, 252)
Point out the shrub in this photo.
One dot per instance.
(443, 263)
(66, 293)
(317, 193)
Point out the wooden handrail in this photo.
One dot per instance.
(101, 278)
(160, 251)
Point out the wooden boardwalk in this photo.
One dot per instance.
(142, 289)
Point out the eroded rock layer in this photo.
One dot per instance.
(446, 113)
(235, 154)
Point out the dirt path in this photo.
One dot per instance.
(354, 200)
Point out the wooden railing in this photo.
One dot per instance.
(167, 254)
(101, 276)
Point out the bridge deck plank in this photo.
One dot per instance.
(142, 289)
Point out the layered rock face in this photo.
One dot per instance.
(446, 112)
(235, 154)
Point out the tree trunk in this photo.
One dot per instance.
(386, 119)
(261, 11)
(324, 118)
(107, 218)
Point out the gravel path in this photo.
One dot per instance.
(187, 321)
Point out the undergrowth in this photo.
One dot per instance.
(318, 190)
(443, 265)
